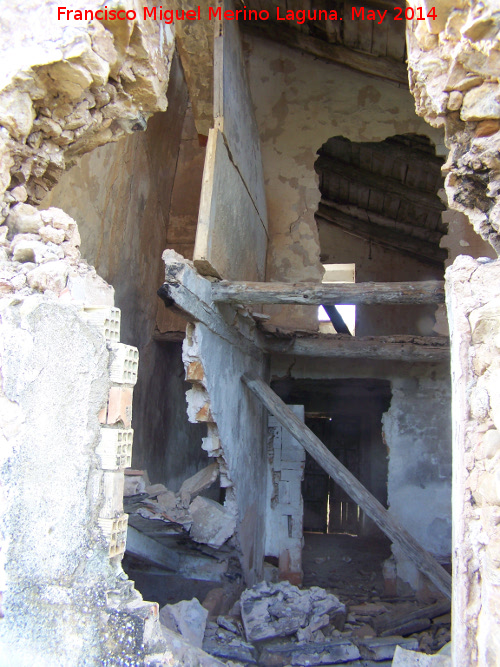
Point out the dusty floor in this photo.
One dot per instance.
(351, 567)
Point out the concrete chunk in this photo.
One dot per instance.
(312, 653)
(280, 610)
(202, 480)
(213, 524)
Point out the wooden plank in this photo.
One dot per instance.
(393, 623)
(255, 293)
(234, 110)
(143, 547)
(339, 473)
(231, 241)
(383, 68)
(428, 349)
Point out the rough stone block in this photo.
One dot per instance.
(120, 406)
(188, 618)
(125, 364)
(195, 372)
(481, 103)
(133, 485)
(24, 219)
(115, 448)
(213, 524)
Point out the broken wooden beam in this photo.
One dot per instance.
(397, 623)
(188, 293)
(385, 184)
(330, 294)
(393, 239)
(426, 563)
(387, 348)
(144, 548)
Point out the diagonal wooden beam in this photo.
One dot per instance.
(352, 486)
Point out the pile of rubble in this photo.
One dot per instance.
(277, 625)
(207, 521)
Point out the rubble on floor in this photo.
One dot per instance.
(280, 625)
(205, 520)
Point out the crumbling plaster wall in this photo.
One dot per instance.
(301, 102)
(237, 434)
(454, 64)
(417, 434)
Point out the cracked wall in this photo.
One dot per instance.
(300, 103)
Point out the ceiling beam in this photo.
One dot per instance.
(254, 293)
(378, 66)
(383, 236)
(384, 184)
(387, 348)
(372, 217)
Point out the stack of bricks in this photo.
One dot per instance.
(288, 460)
(115, 447)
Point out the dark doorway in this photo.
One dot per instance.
(346, 415)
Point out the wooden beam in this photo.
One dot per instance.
(251, 293)
(387, 348)
(385, 184)
(387, 238)
(190, 294)
(413, 228)
(378, 66)
(143, 547)
(353, 487)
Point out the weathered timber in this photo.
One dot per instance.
(408, 226)
(189, 293)
(385, 184)
(380, 67)
(143, 547)
(411, 293)
(353, 487)
(395, 623)
(388, 348)
(383, 236)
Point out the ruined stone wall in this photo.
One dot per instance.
(67, 381)
(300, 103)
(454, 64)
(474, 314)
